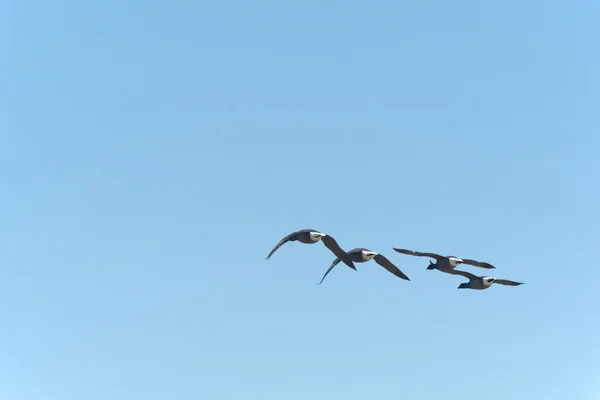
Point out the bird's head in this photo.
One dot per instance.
(316, 236)
(367, 255)
(454, 261)
(431, 265)
(488, 280)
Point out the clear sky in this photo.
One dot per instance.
(153, 153)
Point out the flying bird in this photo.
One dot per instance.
(481, 282)
(361, 255)
(311, 236)
(445, 263)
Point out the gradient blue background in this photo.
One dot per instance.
(152, 154)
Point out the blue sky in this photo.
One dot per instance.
(153, 153)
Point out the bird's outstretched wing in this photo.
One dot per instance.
(507, 282)
(333, 264)
(463, 273)
(387, 264)
(281, 243)
(335, 248)
(478, 263)
(418, 253)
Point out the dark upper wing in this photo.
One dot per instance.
(387, 264)
(507, 282)
(478, 263)
(281, 243)
(418, 253)
(463, 273)
(333, 264)
(335, 248)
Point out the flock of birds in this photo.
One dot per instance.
(445, 264)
